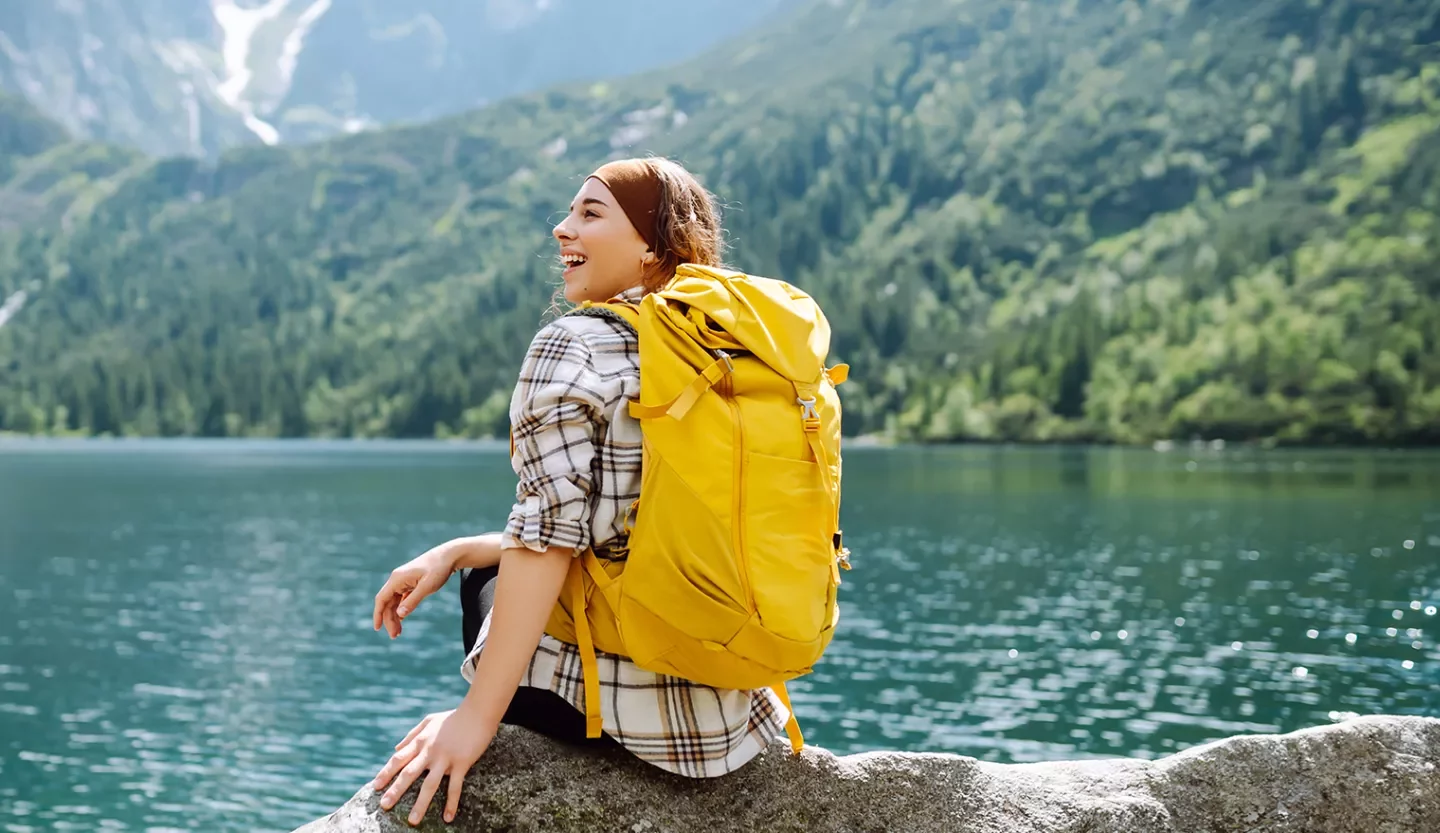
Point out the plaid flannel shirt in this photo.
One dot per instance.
(577, 455)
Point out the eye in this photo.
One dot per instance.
(590, 213)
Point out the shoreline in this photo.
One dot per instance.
(866, 442)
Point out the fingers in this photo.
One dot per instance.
(399, 759)
(394, 586)
(413, 732)
(427, 585)
(427, 793)
(392, 622)
(452, 794)
(403, 781)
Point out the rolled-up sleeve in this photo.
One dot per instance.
(554, 423)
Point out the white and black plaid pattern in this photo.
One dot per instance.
(577, 454)
(577, 450)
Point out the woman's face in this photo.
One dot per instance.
(600, 250)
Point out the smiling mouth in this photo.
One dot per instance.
(572, 262)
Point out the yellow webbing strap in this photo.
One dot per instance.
(681, 405)
(591, 564)
(824, 461)
(811, 421)
(588, 664)
(792, 726)
(812, 433)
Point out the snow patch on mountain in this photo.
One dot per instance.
(11, 306)
(239, 27)
(198, 76)
(295, 41)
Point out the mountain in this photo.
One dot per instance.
(197, 76)
(1097, 220)
(24, 133)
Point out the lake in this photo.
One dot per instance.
(187, 640)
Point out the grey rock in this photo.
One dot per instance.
(1368, 775)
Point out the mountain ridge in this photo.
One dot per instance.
(199, 76)
(1103, 221)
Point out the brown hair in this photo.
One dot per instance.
(687, 223)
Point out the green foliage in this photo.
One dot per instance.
(24, 132)
(1085, 221)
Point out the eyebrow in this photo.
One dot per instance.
(589, 201)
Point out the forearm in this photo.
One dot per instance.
(477, 551)
(529, 585)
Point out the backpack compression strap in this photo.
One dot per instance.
(806, 399)
(682, 403)
(810, 418)
(587, 564)
(792, 726)
(589, 667)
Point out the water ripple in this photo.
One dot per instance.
(189, 644)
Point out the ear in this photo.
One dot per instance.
(649, 258)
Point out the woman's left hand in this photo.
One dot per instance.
(444, 743)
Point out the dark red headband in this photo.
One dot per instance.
(637, 188)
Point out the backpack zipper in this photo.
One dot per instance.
(738, 533)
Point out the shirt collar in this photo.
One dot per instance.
(633, 295)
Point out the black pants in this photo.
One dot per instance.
(537, 709)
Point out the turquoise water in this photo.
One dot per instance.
(188, 641)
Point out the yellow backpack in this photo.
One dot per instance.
(735, 549)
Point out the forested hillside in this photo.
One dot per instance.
(1085, 220)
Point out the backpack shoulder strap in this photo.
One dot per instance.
(626, 312)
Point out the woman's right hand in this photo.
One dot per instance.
(411, 582)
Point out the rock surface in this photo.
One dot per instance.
(1368, 775)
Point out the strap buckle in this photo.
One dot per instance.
(807, 407)
(842, 552)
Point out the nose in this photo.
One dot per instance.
(562, 230)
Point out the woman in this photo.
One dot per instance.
(577, 455)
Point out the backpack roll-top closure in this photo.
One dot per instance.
(779, 324)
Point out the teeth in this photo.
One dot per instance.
(572, 260)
